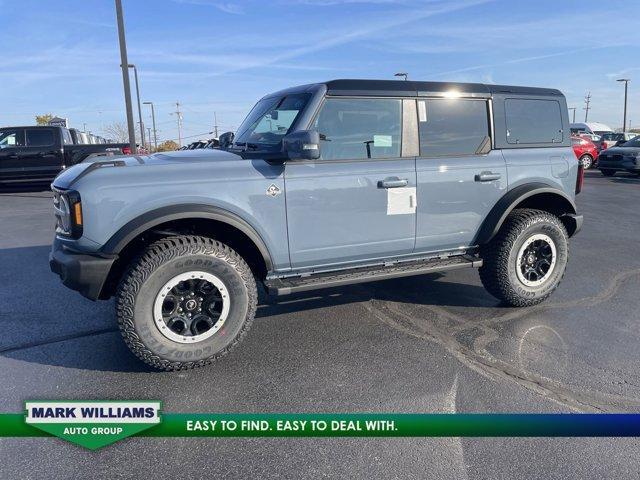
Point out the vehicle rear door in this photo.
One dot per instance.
(11, 145)
(42, 156)
(460, 178)
(357, 202)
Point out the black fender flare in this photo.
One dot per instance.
(150, 219)
(511, 199)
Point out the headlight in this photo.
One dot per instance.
(68, 212)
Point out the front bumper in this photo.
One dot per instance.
(80, 271)
(619, 162)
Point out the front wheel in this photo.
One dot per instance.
(586, 161)
(526, 260)
(185, 302)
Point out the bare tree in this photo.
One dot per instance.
(116, 131)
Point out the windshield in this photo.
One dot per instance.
(270, 120)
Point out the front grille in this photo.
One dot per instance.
(617, 158)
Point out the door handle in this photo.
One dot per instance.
(394, 182)
(487, 177)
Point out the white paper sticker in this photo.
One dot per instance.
(382, 141)
(422, 110)
(401, 201)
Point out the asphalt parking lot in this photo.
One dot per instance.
(437, 343)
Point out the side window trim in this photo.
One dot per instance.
(490, 126)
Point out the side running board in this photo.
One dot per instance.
(285, 286)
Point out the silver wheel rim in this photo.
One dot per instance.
(586, 162)
(191, 307)
(536, 260)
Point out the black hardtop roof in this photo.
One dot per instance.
(414, 88)
(30, 126)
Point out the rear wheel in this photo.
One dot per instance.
(608, 173)
(185, 302)
(526, 260)
(587, 161)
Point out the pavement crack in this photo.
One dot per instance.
(59, 339)
(478, 359)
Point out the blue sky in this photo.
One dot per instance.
(62, 56)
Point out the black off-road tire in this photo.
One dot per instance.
(498, 272)
(163, 260)
(607, 172)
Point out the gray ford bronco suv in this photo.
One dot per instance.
(322, 185)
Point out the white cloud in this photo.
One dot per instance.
(226, 7)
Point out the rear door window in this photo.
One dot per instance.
(532, 121)
(40, 138)
(360, 128)
(450, 127)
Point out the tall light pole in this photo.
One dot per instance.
(626, 85)
(574, 114)
(125, 76)
(135, 73)
(153, 118)
(402, 74)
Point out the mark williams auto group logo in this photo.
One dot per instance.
(93, 424)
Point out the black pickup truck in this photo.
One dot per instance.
(38, 154)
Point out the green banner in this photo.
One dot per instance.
(112, 421)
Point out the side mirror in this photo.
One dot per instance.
(226, 139)
(302, 145)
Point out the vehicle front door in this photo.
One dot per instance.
(459, 177)
(11, 145)
(42, 156)
(357, 202)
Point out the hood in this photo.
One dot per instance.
(622, 150)
(69, 176)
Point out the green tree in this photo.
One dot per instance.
(167, 146)
(43, 119)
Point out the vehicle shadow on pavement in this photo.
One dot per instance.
(46, 323)
(422, 289)
(626, 179)
(27, 188)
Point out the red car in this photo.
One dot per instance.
(586, 152)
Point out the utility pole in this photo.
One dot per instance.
(574, 114)
(153, 119)
(626, 85)
(215, 125)
(84, 127)
(135, 72)
(149, 137)
(179, 114)
(125, 77)
(587, 101)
